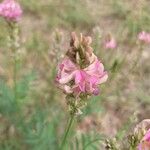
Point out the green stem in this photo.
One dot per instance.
(15, 77)
(67, 132)
(13, 31)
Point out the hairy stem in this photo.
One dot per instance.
(71, 119)
(13, 29)
(15, 77)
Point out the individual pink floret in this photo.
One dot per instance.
(144, 36)
(10, 10)
(110, 44)
(145, 142)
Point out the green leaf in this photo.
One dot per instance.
(7, 103)
(91, 141)
(23, 86)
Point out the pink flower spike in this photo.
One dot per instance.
(80, 74)
(110, 44)
(10, 10)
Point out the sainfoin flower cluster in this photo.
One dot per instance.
(10, 10)
(80, 72)
(144, 37)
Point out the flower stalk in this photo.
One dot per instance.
(15, 77)
(11, 11)
(70, 122)
(14, 46)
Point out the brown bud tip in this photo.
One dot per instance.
(74, 40)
